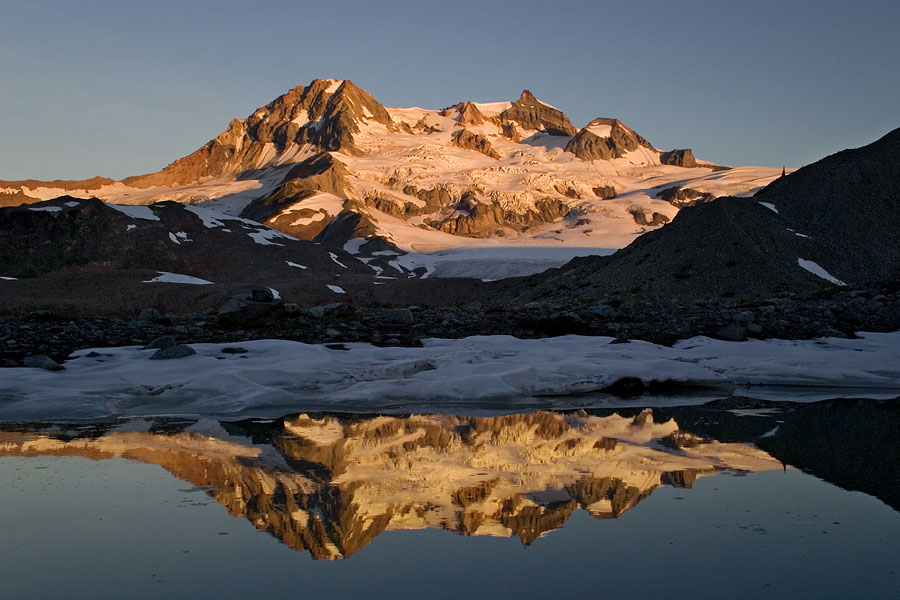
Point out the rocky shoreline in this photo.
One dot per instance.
(834, 313)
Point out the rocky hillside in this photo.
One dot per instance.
(328, 162)
(833, 222)
(69, 234)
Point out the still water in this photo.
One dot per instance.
(723, 500)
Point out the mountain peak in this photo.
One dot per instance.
(605, 139)
(532, 114)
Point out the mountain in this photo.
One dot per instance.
(833, 222)
(328, 162)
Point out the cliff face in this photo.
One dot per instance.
(332, 485)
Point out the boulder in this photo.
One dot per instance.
(42, 361)
(244, 308)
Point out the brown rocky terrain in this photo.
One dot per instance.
(587, 145)
(530, 113)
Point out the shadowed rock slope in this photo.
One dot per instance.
(842, 213)
(69, 234)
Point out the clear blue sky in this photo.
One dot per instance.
(119, 88)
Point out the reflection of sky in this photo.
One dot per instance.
(120, 88)
(123, 529)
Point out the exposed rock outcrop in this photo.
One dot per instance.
(473, 217)
(473, 141)
(605, 139)
(640, 217)
(678, 158)
(465, 113)
(531, 113)
(682, 196)
(319, 173)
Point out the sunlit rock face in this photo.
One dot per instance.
(330, 485)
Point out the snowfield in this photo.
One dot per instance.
(491, 373)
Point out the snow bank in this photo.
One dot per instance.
(275, 377)
(818, 271)
(135, 212)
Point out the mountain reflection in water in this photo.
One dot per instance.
(331, 484)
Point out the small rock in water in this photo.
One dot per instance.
(42, 361)
(179, 351)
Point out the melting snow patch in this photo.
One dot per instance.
(130, 227)
(135, 212)
(210, 218)
(336, 289)
(770, 206)
(174, 238)
(353, 246)
(264, 237)
(448, 374)
(335, 259)
(293, 264)
(9, 278)
(771, 432)
(45, 209)
(275, 294)
(183, 236)
(165, 277)
(818, 271)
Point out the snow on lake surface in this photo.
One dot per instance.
(165, 277)
(278, 376)
(818, 271)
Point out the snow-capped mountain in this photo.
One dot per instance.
(328, 162)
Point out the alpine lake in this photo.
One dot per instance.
(721, 500)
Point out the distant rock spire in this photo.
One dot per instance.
(783, 173)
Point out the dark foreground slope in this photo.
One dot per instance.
(842, 213)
